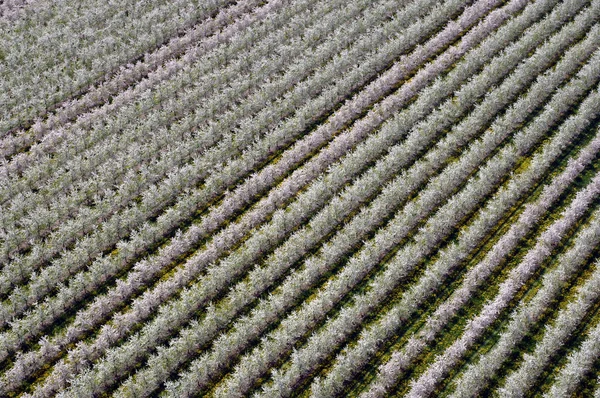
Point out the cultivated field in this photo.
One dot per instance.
(294, 198)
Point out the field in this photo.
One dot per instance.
(308, 198)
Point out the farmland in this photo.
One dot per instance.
(309, 198)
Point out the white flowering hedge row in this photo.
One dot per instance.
(298, 198)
